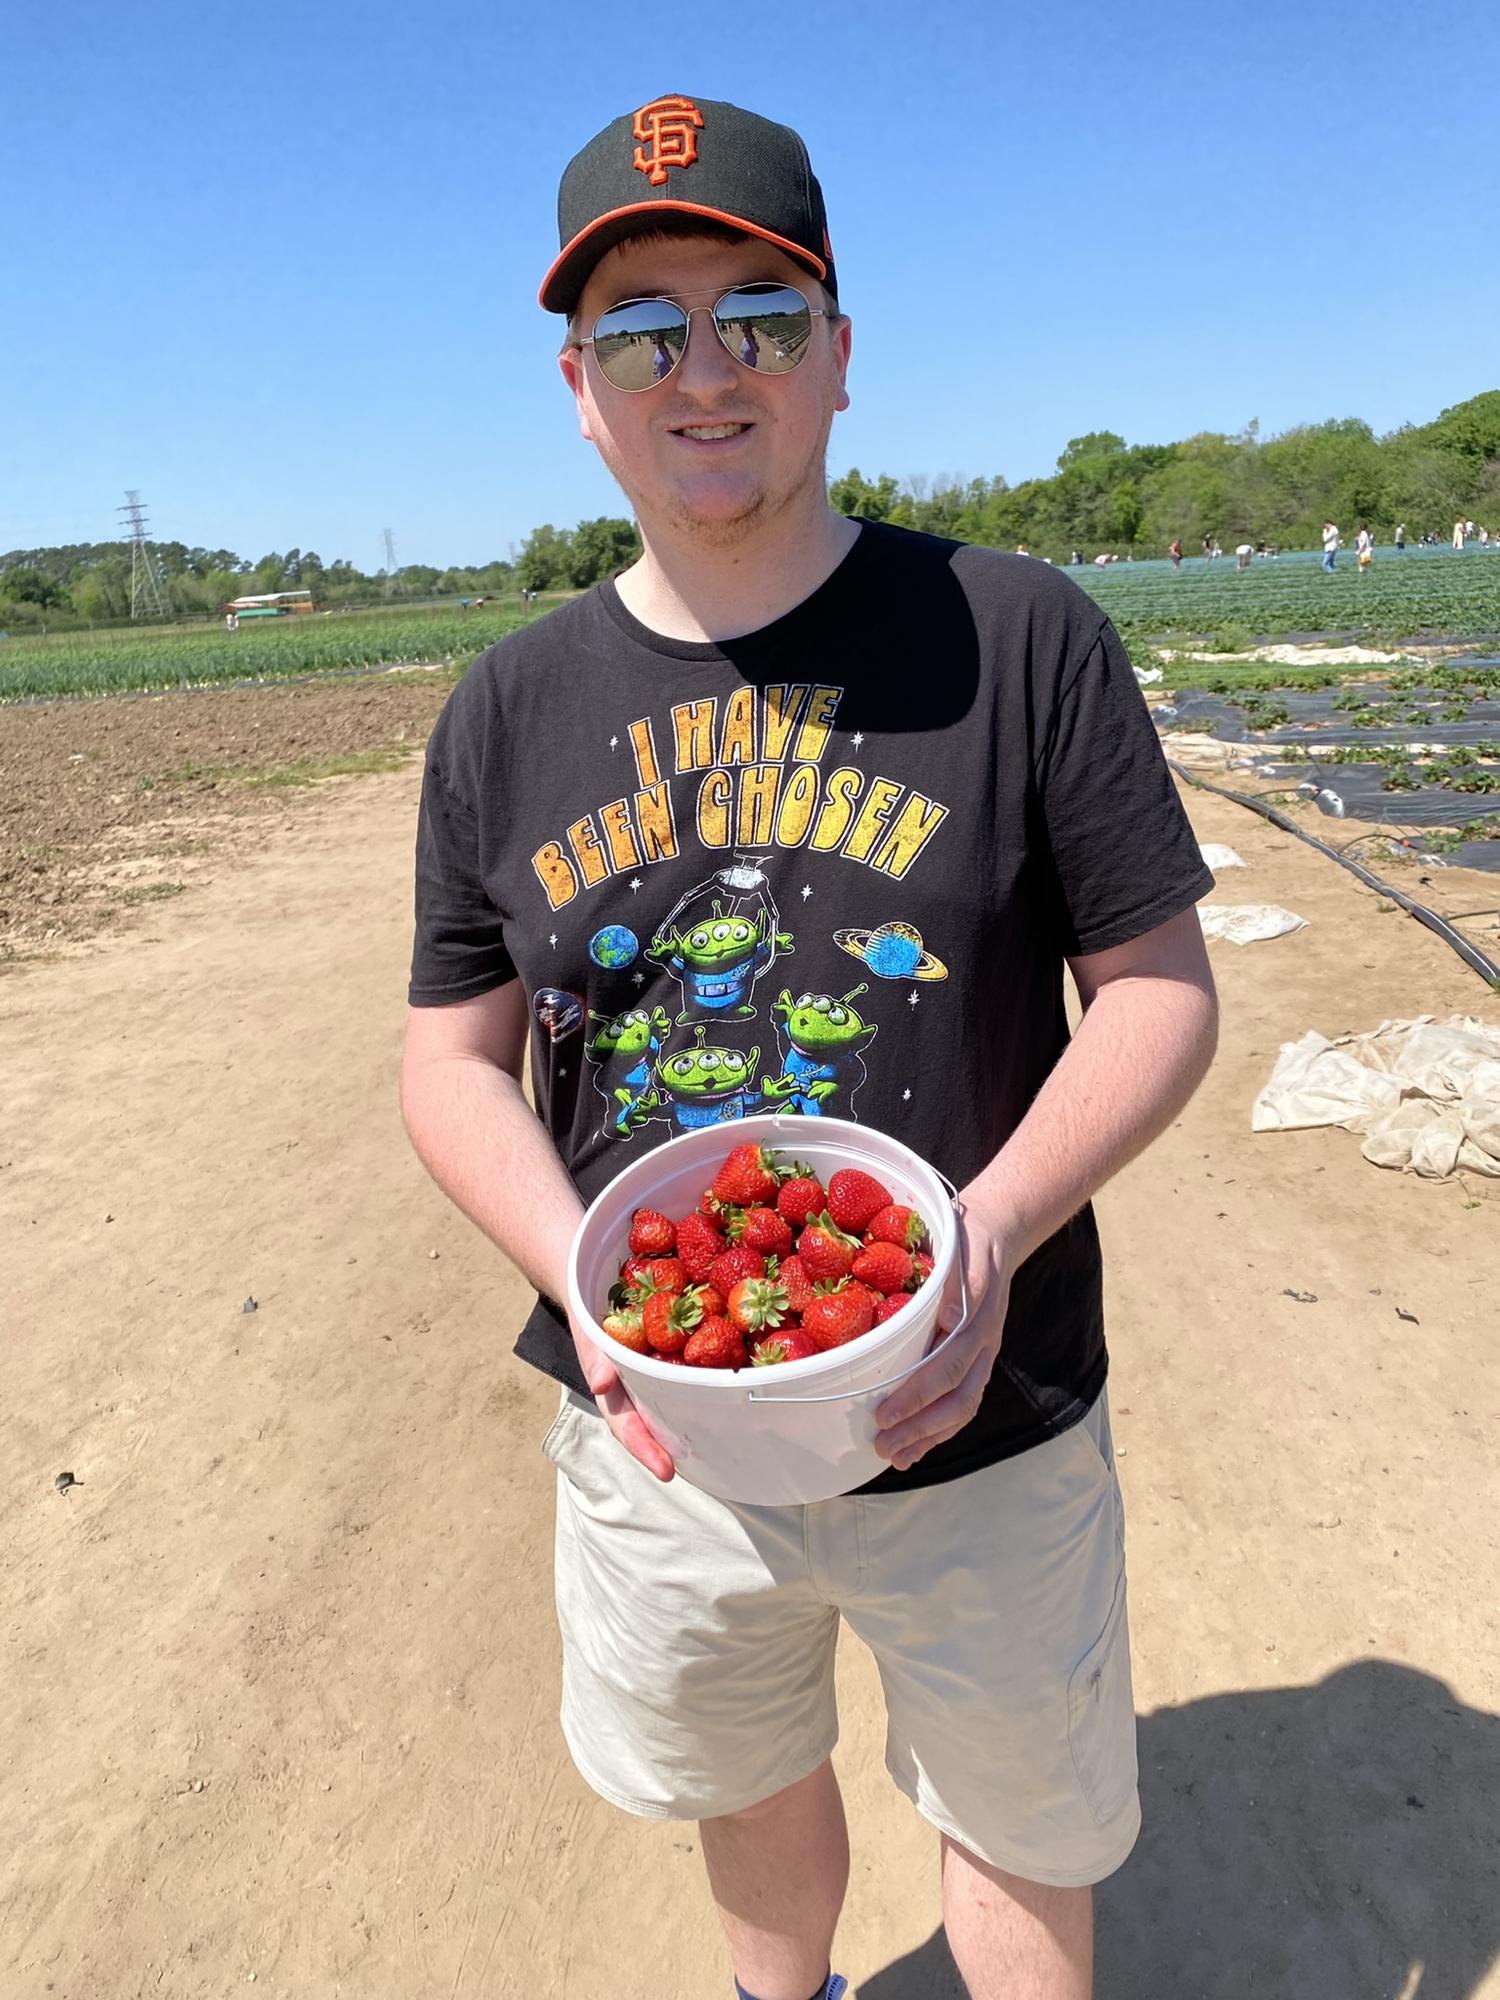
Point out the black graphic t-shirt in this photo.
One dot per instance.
(833, 867)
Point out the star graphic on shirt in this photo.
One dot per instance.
(639, 978)
(635, 883)
(614, 742)
(857, 738)
(806, 890)
(562, 1072)
(906, 1097)
(552, 940)
(913, 998)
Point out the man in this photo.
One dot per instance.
(1330, 545)
(822, 726)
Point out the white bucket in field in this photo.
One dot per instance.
(802, 1430)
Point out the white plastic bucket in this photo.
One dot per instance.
(802, 1430)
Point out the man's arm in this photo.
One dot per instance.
(1147, 1037)
(473, 1130)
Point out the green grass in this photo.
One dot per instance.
(153, 892)
(73, 663)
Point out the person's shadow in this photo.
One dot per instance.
(1333, 1842)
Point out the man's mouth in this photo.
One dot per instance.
(710, 433)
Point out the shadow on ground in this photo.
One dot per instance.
(1333, 1842)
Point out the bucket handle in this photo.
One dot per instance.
(874, 1388)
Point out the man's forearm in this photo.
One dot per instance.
(1141, 1050)
(487, 1150)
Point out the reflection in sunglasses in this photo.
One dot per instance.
(639, 342)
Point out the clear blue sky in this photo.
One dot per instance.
(277, 267)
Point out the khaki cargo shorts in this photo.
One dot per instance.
(698, 1643)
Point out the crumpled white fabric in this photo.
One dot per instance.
(1247, 923)
(1148, 676)
(1425, 1093)
(1217, 856)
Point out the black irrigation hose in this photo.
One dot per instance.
(1470, 954)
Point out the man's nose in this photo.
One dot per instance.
(706, 366)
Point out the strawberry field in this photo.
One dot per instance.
(74, 663)
(1431, 593)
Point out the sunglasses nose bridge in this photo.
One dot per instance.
(712, 343)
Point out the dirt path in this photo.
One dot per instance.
(280, 1676)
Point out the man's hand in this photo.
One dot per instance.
(936, 1402)
(625, 1421)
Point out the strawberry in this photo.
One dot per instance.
(922, 1265)
(698, 1243)
(788, 1343)
(711, 1208)
(825, 1250)
(889, 1307)
(747, 1176)
(627, 1328)
(795, 1282)
(755, 1304)
(854, 1197)
(896, 1224)
(633, 1271)
(763, 1229)
(727, 1269)
(651, 1235)
(661, 1274)
(800, 1198)
(716, 1344)
(839, 1315)
(711, 1300)
(668, 1319)
(884, 1267)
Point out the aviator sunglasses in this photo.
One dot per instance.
(766, 327)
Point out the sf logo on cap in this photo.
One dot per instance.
(668, 129)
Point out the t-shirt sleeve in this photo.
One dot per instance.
(1123, 852)
(459, 947)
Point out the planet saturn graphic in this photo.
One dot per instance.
(893, 951)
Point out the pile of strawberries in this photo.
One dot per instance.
(771, 1266)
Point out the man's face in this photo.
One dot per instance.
(716, 490)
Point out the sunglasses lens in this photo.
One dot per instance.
(767, 327)
(639, 343)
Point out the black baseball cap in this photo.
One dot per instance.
(686, 156)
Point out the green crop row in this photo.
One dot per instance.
(1437, 593)
(273, 649)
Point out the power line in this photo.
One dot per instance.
(146, 579)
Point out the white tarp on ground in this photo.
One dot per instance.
(1216, 856)
(1425, 1093)
(1248, 923)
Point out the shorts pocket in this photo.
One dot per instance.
(568, 1412)
(1101, 1716)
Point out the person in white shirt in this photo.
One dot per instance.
(1330, 545)
(1364, 548)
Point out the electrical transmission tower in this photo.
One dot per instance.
(390, 561)
(146, 596)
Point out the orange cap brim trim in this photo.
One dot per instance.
(803, 256)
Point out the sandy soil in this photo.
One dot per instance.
(107, 805)
(280, 1675)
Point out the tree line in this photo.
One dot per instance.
(1108, 496)
(1105, 495)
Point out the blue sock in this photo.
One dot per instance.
(833, 1988)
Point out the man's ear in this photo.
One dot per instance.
(570, 362)
(841, 358)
